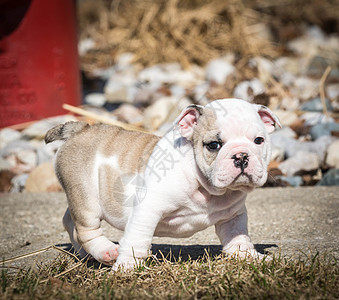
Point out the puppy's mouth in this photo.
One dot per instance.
(241, 176)
(242, 181)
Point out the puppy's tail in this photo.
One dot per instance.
(64, 131)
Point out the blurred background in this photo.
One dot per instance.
(139, 63)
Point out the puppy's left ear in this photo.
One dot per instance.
(268, 117)
(188, 119)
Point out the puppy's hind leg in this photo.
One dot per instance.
(70, 228)
(88, 232)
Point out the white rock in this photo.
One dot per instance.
(282, 138)
(332, 158)
(219, 70)
(199, 93)
(164, 110)
(28, 158)
(18, 183)
(128, 113)
(309, 43)
(124, 61)
(147, 93)
(95, 99)
(332, 91)
(301, 161)
(15, 147)
(285, 131)
(290, 103)
(85, 45)
(168, 73)
(319, 147)
(314, 118)
(43, 179)
(247, 90)
(286, 117)
(267, 68)
(8, 135)
(39, 129)
(278, 154)
(121, 87)
(291, 66)
(305, 88)
(4, 164)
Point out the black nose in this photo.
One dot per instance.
(240, 160)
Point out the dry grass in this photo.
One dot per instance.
(166, 31)
(314, 277)
(195, 31)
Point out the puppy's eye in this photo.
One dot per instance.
(258, 140)
(213, 146)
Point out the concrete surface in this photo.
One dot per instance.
(286, 220)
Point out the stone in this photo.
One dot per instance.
(332, 91)
(305, 88)
(292, 146)
(318, 147)
(164, 110)
(43, 179)
(18, 183)
(38, 129)
(219, 70)
(95, 99)
(286, 117)
(199, 93)
(28, 157)
(295, 181)
(308, 43)
(314, 118)
(285, 131)
(128, 113)
(4, 164)
(171, 73)
(332, 157)
(278, 154)
(85, 45)
(324, 129)
(124, 61)
(121, 87)
(148, 93)
(302, 161)
(316, 105)
(8, 135)
(330, 178)
(288, 67)
(247, 90)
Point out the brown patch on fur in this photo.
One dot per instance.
(205, 132)
(75, 168)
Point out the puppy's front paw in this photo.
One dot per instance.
(242, 249)
(126, 263)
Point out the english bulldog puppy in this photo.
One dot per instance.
(197, 175)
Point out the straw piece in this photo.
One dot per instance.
(322, 89)
(100, 119)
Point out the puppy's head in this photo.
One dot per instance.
(230, 139)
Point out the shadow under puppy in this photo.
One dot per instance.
(197, 175)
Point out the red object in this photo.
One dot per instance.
(39, 68)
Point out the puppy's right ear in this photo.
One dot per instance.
(188, 119)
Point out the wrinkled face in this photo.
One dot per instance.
(231, 144)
